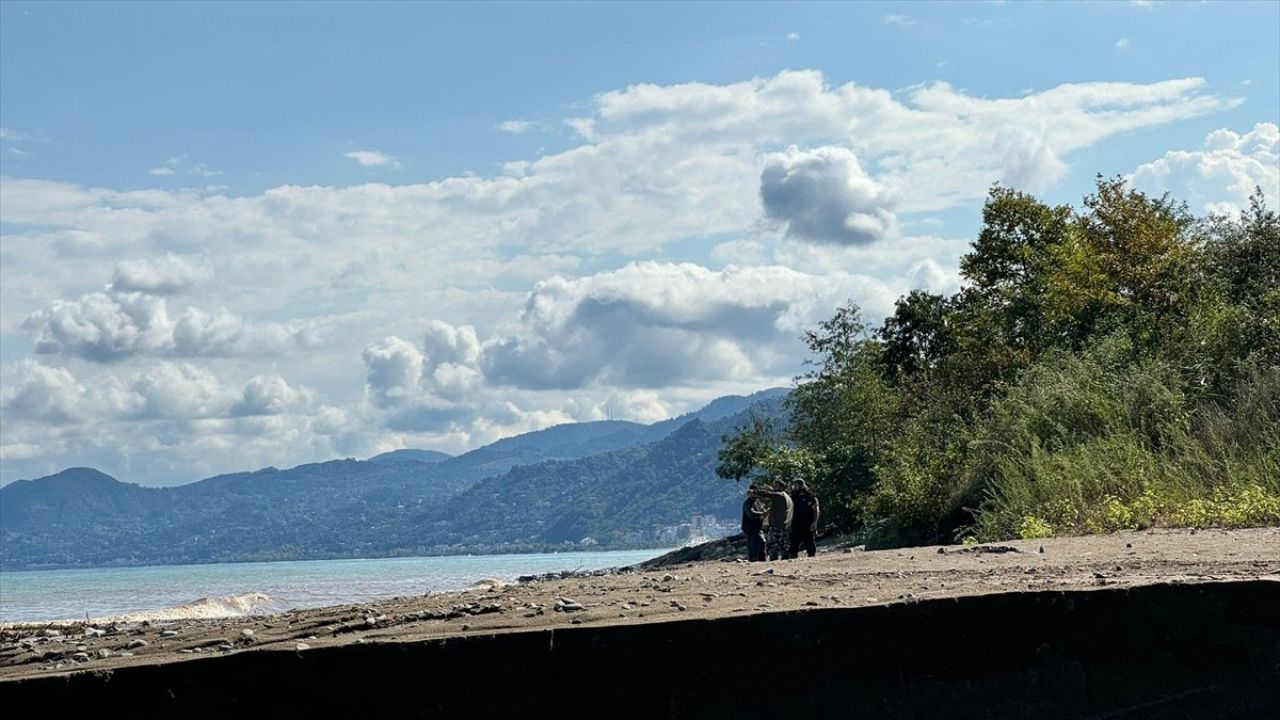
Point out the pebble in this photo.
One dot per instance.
(301, 646)
(169, 633)
(94, 632)
(139, 643)
(80, 657)
(187, 651)
(104, 653)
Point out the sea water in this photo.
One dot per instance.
(175, 592)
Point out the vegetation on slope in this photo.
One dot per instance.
(1104, 367)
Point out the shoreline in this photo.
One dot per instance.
(837, 578)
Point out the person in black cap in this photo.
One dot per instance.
(753, 511)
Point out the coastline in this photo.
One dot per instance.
(837, 578)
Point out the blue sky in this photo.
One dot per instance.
(244, 234)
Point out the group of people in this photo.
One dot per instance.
(791, 520)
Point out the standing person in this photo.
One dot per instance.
(753, 511)
(804, 522)
(779, 520)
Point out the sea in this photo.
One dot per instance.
(182, 592)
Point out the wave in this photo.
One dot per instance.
(252, 603)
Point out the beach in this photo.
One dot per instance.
(839, 577)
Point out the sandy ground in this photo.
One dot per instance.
(835, 578)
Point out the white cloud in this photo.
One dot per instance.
(793, 36)
(269, 395)
(174, 165)
(823, 195)
(1220, 176)
(393, 370)
(168, 274)
(18, 151)
(373, 159)
(1142, 3)
(515, 126)
(111, 326)
(7, 135)
(649, 325)
(1122, 44)
(903, 20)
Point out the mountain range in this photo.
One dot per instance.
(541, 490)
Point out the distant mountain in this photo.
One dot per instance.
(602, 497)
(422, 456)
(627, 476)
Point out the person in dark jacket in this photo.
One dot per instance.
(804, 520)
(779, 520)
(753, 511)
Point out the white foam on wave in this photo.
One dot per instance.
(253, 603)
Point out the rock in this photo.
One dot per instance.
(626, 606)
(226, 647)
(94, 632)
(576, 621)
(1041, 549)
(246, 633)
(301, 646)
(766, 571)
(103, 654)
(81, 647)
(668, 578)
(187, 651)
(135, 644)
(567, 605)
(80, 657)
(814, 603)
(168, 633)
(126, 654)
(942, 551)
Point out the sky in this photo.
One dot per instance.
(238, 235)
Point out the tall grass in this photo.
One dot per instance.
(1096, 442)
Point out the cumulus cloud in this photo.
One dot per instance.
(1221, 175)
(162, 423)
(111, 326)
(168, 274)
(165, 390)
(903, 20)
(373, 159)
(393, 370)
(162, 171)
(650, 325)
(1122, 44)
(269, 395)
(824, 195)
